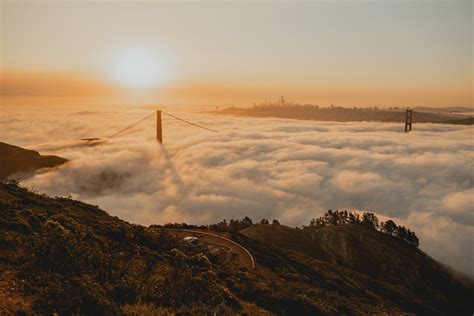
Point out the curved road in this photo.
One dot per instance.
(245, 256)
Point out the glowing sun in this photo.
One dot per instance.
(137, 69)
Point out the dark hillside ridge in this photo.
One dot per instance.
(374, 254)
(340, 114)
(65, 255)
(447, 109)
(461, 121)
(15, 160)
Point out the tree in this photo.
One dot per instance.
(234, 225)
(370, 220)
(247, 222)
(354, 218)
(264, 221)
(412, 239)
(316, 222)
(330, 218)
(389, 227)
(275, 222)
(401, 232)
(408, 236)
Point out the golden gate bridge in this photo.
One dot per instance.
(159, 124)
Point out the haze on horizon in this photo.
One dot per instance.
(383, 53)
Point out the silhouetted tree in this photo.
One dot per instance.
(370, 220)
(412, 239)
(407, 235)
(354, 218)
(264, 221)
(247, 222)
(234, 225)
(389, 227)
(275, 222)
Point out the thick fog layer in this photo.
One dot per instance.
(262, 168)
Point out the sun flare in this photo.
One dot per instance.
(136, 69)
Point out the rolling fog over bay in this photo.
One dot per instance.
(290, 170)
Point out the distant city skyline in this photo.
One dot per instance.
(348, 53)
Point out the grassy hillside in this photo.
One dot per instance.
(65, 255)
(17, 161)
(376, 255)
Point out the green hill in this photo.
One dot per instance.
(65, 255)
(19, 161)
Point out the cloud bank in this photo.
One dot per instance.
(262, 168)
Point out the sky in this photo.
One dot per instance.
(374, 52)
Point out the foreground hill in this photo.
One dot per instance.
(65, 255)
(384, 258)
(16, 160)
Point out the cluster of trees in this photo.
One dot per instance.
(231, 226)
(234, 225)
(180, 226)
(333, 218)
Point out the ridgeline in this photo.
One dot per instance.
(17, 161)
(341, 114)
(58, 254)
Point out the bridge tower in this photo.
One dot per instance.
(159, 133)
(408, 120)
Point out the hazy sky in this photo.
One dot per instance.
(343, 52)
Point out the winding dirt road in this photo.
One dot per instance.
(245, 257)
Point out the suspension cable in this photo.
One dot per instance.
(132, 125)
(185, 121)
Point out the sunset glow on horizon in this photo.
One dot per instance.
(348, 53)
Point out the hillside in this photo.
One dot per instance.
(447, 109)
(65, 255)
(340, 114)
(461, 121)
(19, 161)
(373, 254)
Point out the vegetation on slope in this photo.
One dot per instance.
(369, 220)
(424, 285)
(73, 257)
(64, 255)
